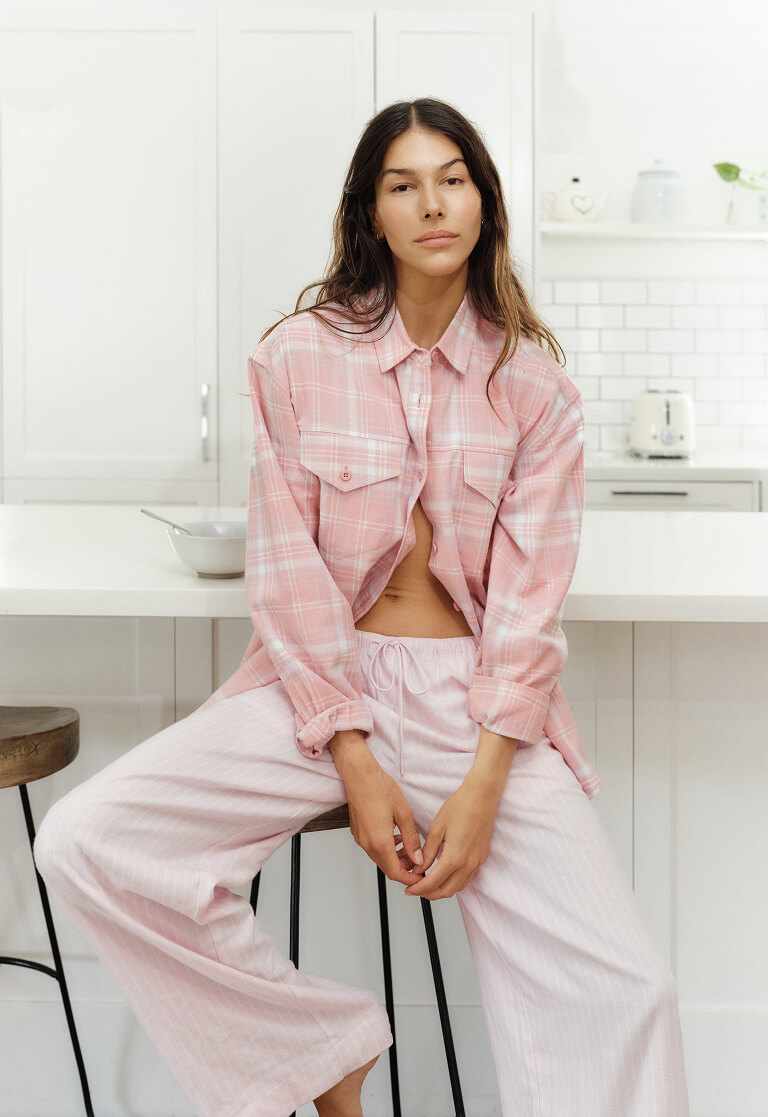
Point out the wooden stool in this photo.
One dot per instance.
(334, 820)
(36, 741)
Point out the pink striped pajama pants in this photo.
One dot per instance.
(581, 1010)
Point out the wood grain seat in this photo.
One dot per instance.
(36, 741)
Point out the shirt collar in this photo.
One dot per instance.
(393, 344)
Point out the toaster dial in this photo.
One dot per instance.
(669, 436)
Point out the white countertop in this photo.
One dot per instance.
(702, 465)
(109, 560)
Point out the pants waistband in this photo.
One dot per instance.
(423, 645)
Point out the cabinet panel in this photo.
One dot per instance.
(442, 54)
(671, 496)
(295, 91)
(701, 830)
(108, 248)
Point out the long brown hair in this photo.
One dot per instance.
(361, 264)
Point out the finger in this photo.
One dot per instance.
(409, 834)
(434, 880)
(435, 839)
(452, 884)
(390, 865)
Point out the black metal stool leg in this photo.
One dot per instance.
(58, 970)
(255, 890)
(386, 958)
(293, 945)
(445, 1021)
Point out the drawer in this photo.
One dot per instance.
(704, 496)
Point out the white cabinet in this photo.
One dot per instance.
(669, 496)
(109, 297)
(169, 182)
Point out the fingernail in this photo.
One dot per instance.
(418, 857)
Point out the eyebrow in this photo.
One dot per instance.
(408, 171)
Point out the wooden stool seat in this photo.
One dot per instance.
(334, 819)
(36, 741)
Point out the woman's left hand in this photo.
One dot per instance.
(463, 826)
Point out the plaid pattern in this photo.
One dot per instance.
(348, 433)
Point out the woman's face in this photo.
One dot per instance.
(417, 193)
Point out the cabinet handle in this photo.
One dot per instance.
(646, 492)
(204, 420)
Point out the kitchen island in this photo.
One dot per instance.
(667, 627)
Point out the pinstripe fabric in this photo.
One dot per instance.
(348, 433)
(581, 1010)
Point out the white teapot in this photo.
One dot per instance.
(576, 202)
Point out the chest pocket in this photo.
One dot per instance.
(486, 480)
(362, 500)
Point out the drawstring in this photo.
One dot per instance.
(375, 669)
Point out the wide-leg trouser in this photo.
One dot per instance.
(581, 1010)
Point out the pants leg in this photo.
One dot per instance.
(581, 1009)
(143, 857)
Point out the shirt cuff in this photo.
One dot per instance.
(508, 708)
(313, 736)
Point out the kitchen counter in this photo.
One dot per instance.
(109, 560)
(703, 465)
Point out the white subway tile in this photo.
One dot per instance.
(689, 317)
(576, 291)
(755, 438)
(694, 364)
(749, 414)
(578, 341)
(556, 317)
(648, 317)
(601, 316)
(756, 389)
(717, 341)
(670, 341)
(671, 291)
(647, 364)
(718, 437)
(591, 437)
(621, 387)
(742, 364)
(755, 341)
(706, 411)
(742, 317)
(602, 411)
(625, 292)
(755, 291)
(589, 386)
(718, 291)
(544, 291)
(614, 437)
(599, 364)
(623, 341)
(719, 389)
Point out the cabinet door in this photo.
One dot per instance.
(482, 62)
(296, 90)
(701, 831)
(108, 241)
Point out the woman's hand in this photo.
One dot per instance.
(376, 805)
(464, 824)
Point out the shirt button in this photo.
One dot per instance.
(345, 474)
(456, 607)
(421, 475)
(434, 548)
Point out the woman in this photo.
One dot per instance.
(414, 518)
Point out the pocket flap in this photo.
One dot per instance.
(349, 461)
(488, 472)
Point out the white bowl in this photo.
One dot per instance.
(215, 549)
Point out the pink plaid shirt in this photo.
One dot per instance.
(348, 434)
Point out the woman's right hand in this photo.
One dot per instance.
(376, 805)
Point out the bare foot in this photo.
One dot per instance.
(343, 1099)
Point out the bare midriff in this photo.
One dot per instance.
(414, 602)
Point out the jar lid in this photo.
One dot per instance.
(658, 168)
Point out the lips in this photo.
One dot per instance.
(437, 234)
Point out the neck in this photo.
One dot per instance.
(426, 313)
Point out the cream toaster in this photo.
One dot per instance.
(663, 424)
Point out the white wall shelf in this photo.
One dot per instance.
(629, 231)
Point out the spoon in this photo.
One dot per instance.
(162, 519)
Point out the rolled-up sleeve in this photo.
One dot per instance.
(298, 611)
(534, 547)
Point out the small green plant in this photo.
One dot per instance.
(729, 172)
